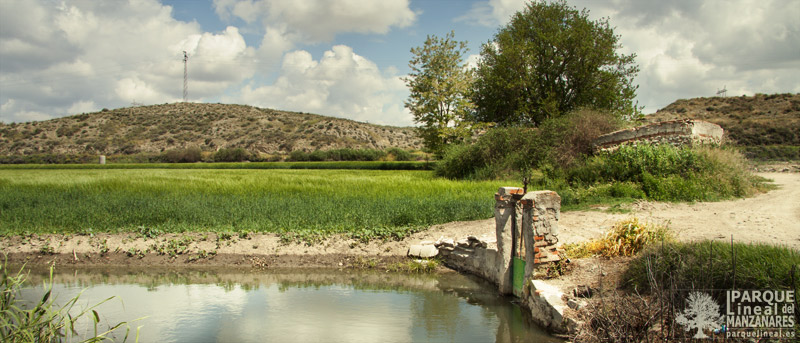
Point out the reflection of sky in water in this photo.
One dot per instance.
(330, 313)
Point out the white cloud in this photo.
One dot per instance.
(692, 48)
(341, 83)
(110, 54)
(320, 20)
(493, 12)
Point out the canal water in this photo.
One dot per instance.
(294, 306)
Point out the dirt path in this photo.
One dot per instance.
(772, 217)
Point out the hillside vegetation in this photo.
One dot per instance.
(764, 126)
(158, 128)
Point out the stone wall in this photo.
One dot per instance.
(676, 132)
(526, 227)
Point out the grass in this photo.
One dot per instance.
(367, 165)
(44, 321)
(415, 266)
(303, 205)
(710, 265)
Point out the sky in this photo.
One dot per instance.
(346, 58)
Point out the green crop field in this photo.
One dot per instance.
(299, 204)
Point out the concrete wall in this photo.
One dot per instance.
(676, 132)
(531, 218)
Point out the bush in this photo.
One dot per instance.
(507, 151)
(399, 154)
(337, 155)
(772, 152)
(231, 155)
(625, 238)
(710, 265)
(188, 155)
(668, 173)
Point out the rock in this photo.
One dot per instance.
(423, 251)
(583, 291)
(475, 242)
(446, 242)
(575, 305)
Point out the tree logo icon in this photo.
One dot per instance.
(701, 313)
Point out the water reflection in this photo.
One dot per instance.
(297, 306)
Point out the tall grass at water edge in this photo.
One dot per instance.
(44, 321)
(310, 204)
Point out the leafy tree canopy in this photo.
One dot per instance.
(550, 60)
(439, 85)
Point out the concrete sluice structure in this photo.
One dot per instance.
(526, 234)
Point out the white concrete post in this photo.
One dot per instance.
(504, 212)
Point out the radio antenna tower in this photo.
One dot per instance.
(185, 77)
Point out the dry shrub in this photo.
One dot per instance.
(620, 318)
(625, 238)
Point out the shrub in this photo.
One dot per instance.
(188, 155)
(344, 154)
(231, 155)
(710, 265)
(668, 173)
(506, 151)
(399, 154)
(625, 238)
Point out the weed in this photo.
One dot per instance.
(148, 232)
(365, 262)
(415, 266)
(202, 254)
(173, 247)
(46, 249)
(103, 247)
(625, 238)
(135, 252)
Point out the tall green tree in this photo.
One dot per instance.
(440, 86)
(549, 60)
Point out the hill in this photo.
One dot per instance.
(157, 128)
(764, 126)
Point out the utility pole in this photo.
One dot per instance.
(185, 77)
(723, 91)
